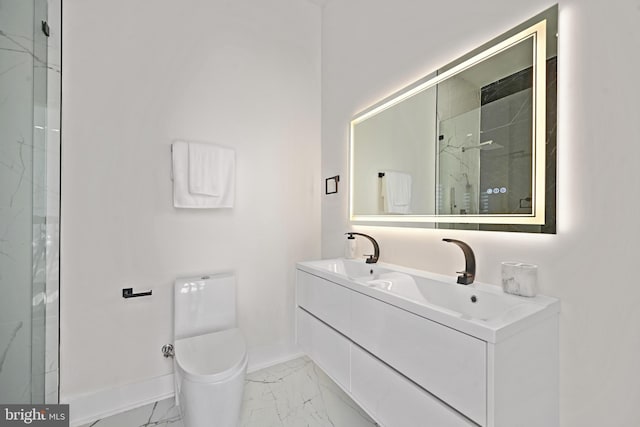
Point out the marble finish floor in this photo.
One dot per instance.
(291, 394)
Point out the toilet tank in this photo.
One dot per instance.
(204, 304)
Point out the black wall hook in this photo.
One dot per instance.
(45, 28)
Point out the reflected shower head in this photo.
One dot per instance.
(485, 146)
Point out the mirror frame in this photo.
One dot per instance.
(535, 28)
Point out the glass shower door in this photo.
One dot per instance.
(29, 205)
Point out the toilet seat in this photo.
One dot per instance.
(211, 357)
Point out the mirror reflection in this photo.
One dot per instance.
(473, 143)
(485, 136)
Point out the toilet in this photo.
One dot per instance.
(210, 354)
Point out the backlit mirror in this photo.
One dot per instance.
(470, 146)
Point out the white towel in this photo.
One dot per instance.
(396, 191)
(225, 187)
(205, 167)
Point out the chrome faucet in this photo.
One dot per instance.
(466, 277)
(371, 259)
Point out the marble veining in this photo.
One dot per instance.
(23, 169)
(162, 413)
(12, 337)
(291, 394)
(21, 48)
(298, 393)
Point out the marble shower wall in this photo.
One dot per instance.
(28, 217)
(16, 172)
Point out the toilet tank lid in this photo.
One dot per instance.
(213, 356)
(204, 304)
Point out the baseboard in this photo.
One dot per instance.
(90, 407)
(253, 367)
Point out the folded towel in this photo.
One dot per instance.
(205, 165)
(396, 191)
(225, 187)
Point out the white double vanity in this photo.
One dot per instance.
(416, 349)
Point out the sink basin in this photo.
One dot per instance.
(464, 300)
(351, 268)
(480, 309)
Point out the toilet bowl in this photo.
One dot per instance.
(210, 352)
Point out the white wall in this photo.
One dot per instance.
(137, 75)
(370, 49)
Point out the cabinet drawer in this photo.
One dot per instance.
(395, 401)
(327, 348)
(447, 363)
(325, 300)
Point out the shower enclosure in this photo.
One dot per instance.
(29, 199)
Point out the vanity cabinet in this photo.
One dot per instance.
(326, 300)
(395, 401)
(439, 359)
(328, 348)
(407, 370)
(387, 396)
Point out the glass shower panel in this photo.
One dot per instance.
(51, 236)
(28, 252)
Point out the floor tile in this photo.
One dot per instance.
(291, 394)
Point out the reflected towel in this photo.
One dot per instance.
(396, 191)
(225, 188)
